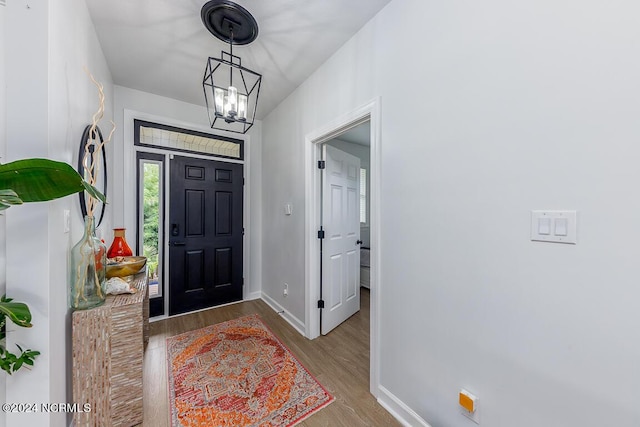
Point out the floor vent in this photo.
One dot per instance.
(3, 2)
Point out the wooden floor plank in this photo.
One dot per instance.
(340, 361)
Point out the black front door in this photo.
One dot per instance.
(205, 234)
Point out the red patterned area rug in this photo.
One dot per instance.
(238, 373)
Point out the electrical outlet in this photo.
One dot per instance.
(285, 290)
(469, 405)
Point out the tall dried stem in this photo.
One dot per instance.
(90, 162)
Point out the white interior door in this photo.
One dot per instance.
(341, 245)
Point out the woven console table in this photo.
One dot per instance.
(108, 350)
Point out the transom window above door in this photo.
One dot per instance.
(150, 134)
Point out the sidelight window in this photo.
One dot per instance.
(150, 206)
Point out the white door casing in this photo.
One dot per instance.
(341, 245)
(370, 111)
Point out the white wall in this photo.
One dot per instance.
(130, 104)
(3, 147)
(514, 106)
(49, 102)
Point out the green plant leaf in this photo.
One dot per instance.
(8, 198)
(37, 180)
(10, 363)
(18, 312)
(93, 192)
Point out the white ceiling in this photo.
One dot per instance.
(161, 46)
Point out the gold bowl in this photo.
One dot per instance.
(130, 265)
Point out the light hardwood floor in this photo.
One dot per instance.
(340, 361)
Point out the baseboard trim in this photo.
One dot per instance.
(400, 411)
(290, 318)
(253, 296)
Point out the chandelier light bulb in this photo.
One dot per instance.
(227, 106)
(233, 101)
(218, 95)
(242, 107)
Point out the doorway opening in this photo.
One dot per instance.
(315, 144)
(190, 217)
(344, 225)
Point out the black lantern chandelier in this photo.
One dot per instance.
(230, 90)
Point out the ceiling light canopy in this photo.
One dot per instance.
(231, 90)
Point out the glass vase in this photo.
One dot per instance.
(119, 247)
(88, 267)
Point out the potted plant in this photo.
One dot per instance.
(23, 181)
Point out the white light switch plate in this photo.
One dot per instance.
(66, 220)
(554, 226)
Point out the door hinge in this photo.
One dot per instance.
(322, 164)
(320, 234)
(320, 303)
(243, 231)
(242, 181)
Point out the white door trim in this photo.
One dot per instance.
(313, 140)
(125, 209)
